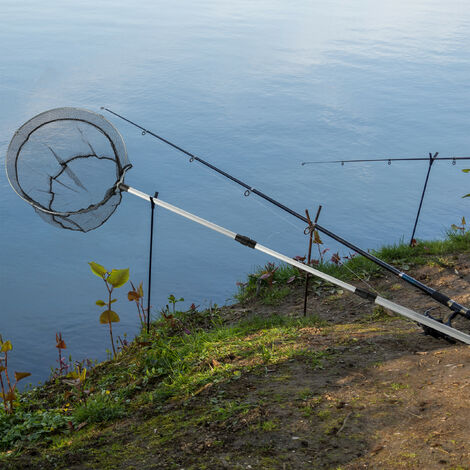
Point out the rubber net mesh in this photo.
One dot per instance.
(68, 164)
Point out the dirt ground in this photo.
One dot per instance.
(388, 396)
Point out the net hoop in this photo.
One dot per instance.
(96, 120)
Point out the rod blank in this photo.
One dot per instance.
(412, 159)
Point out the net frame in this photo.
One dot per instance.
(120, 158)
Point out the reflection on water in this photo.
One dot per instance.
(253, 87)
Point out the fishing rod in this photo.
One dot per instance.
(443, 299)
(431, 159)
(389, 160)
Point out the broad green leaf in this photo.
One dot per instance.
(467, 195)
(21, 375)
(109, 316)
(6, 346)
(97, 269)
(464, 222)
(100, 303)
(118, 277)
(454, 227)
(141, 290)
(466, 170)
(82, 375)
(114, 300)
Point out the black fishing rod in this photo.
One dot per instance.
(389, 160)
(436, 295)
(431, 159)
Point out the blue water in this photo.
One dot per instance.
(253, 87)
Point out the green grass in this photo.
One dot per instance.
(99, 409)
(379, 314)
(169, 365)
(228, 409)
(186, 363)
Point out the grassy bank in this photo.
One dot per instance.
(206, 386)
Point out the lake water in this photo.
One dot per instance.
(256, 88)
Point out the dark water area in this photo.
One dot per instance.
(256, 88)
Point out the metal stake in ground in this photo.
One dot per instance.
(149, 290)
(310, 228)
(431, 161)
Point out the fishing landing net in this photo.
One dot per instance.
(68, 164)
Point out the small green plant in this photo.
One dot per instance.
(8, 390)
(269, 425)
(112, 279)
(324, 414)
(173, 301)
(398, 386)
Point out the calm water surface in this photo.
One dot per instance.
(255, 88)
